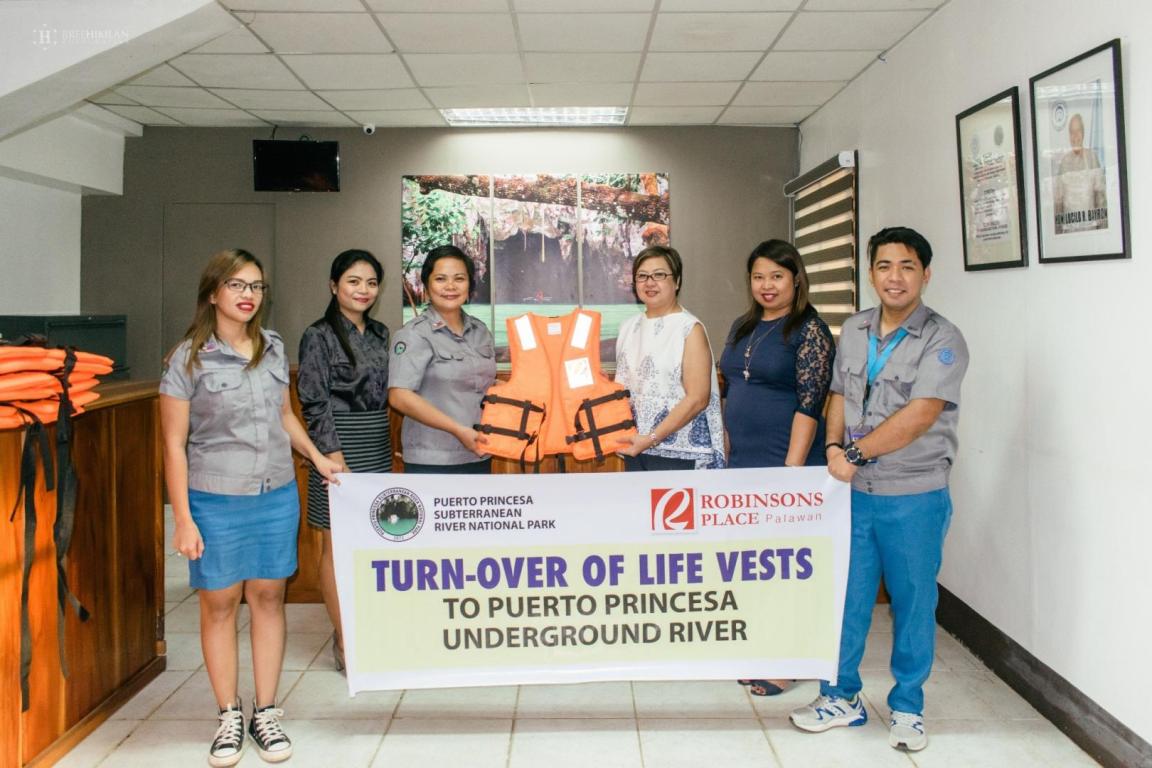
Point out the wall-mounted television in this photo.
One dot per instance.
(296, 166)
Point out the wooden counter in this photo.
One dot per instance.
(115, 568)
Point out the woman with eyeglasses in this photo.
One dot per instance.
(442, 363)
(663, 358)
(228, 433)
(342, 383)
(777, 366)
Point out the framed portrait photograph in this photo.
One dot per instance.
(992, 183)
(1079, 158)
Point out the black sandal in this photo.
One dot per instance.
(764, 688)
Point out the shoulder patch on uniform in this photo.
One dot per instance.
(946, 356)
(399, 348)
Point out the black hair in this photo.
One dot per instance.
(341, 264)
(447, 252)
(900, 236)
(669, 254)
(785, 255)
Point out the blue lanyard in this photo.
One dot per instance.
(878, 358)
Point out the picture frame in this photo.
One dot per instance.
(1079, 158)
(988, 150)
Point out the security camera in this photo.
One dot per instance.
(369, 129)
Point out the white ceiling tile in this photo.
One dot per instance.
(112, 97)
(465, 68)
(581, 67)
(717, 31)
(237, 41)
(401, 117)
(142, 115)
(672, 67)
(872, 5)
(470, 96)
(450, 32)
(583, 31)
(806, 65)
(786, 94)
(581, 94)
(684, 94)
(248, 99)
(321, 33)
(294, 5)
(236, 70)
(154, 96)
(161, 75)
(765, 115)
(305, 118)
(584, 6)
(873, 30)
(718, 6)
(392, 98)
(672, 115)
(214, 118)
(350, 70)
(440, 6)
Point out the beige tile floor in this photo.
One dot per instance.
(974, 719)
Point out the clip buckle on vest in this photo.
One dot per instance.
(527, 408)
(593, 432)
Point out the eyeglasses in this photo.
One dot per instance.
(237, 285)
(659, 277)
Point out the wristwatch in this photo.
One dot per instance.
(853, 455)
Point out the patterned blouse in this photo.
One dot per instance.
(650, 363)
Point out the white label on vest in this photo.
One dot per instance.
(524, 331)
(554, 329)
(581, 331)
(579, 372)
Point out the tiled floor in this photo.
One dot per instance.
(974, 719)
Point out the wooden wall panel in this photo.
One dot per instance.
(11, 557)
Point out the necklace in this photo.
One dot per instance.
(754, 342)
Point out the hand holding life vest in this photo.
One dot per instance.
(557, 400)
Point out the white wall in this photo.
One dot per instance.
(1050, 535)
(39, 249)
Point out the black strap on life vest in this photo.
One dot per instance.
(593, 432)
(34, 436)
(527, 408)
(65, 506)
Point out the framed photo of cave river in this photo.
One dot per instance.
(992, 183)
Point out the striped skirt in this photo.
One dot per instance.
(367, 444)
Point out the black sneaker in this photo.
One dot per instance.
(264, 728)
(228, 745)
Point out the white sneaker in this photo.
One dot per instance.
(272, 743)
(829, 712)
(906, 731)
(228, 744)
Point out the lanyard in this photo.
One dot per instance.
(878, 358)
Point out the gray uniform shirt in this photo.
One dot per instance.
(237, 444)
(451, 372)
(930, 362)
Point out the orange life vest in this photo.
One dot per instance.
(557, 400)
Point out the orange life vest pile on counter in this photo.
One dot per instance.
(32, 380)
(557, 400)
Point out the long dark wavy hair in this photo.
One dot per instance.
(341, 264)
(785, 255)
(221, 267)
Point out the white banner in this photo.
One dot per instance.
(457, 580)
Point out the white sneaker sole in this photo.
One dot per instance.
(827, 725)
(226, 762)
(907, 745)
(275, 757)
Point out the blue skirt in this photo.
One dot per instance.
(245, 537)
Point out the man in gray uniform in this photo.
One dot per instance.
(895, 402)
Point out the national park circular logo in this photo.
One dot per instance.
(397, 514)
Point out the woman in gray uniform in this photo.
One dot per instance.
(343, 389)
(443, 361)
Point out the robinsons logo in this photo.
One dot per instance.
(397, 514)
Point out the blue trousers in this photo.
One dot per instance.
(902, 539)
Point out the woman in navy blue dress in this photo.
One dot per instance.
(777, 366)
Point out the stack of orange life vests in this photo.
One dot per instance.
(557, 400)
(32, 380)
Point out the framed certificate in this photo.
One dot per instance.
(1079, 158)
(992, 183)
